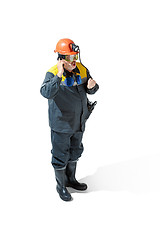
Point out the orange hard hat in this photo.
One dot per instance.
(64, 47)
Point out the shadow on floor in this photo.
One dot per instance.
(137, 176)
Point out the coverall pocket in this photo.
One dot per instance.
(90, 106)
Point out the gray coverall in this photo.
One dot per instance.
(68, 112)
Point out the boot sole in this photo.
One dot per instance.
(76, 188)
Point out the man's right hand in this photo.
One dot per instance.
(60, 67)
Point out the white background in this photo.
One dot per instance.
(119, 42)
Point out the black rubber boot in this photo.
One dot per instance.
(71, 180)
(61, 185)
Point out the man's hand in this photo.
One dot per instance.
(91, 83)
(60, 67)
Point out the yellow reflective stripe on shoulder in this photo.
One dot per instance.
(82, 69)
(54, 70)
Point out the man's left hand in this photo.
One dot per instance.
(91, 83)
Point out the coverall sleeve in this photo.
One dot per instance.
(50, 86)
(95, 88)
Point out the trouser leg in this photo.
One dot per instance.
(66, 149)
(60, 149)
(76, 146)
(60, 157)
(76, 150)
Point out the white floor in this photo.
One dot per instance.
(122, 202)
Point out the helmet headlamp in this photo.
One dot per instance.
(75, 47)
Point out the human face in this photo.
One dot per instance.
(70, 62)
